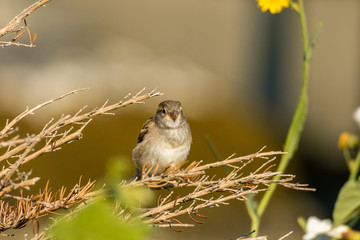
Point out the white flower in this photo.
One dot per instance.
(315, 227)
(338, 231)
(357, 116)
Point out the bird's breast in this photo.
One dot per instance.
(169, 155)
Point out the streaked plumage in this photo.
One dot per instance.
(164, 140)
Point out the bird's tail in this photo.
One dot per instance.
(135, 177)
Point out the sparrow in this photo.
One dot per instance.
(164, 140)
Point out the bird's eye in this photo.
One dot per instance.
(163, 111)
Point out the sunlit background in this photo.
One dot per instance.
(236, 70)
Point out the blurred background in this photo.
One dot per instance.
(236, 70)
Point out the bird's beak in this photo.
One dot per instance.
(174, 114)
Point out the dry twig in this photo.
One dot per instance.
(36, 206)
(204, 190)
(13, 26)
(18, 150)
(232, 186)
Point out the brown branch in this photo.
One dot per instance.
(53, 135)
(255, 238)
(9, 172)
(7, 44)
(233, 186)
(204, 190)
(22, 184)
(34, 207)
(202, 187)
(12, 142)
(28, 112)
(12, 26)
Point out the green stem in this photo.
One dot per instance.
(355, 170)
(251, 209)
(348, 160)
(304, 32)
(294, 133)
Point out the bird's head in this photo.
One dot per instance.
(169, 114)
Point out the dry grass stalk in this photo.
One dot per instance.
(13, 26)
(205, 191)
(36, 206)
(19, 150)
(264, 237)
(255, 238)
(202, 187)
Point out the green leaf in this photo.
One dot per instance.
(302, 223)
(251, 206)
(251, 203)
(98, 222)
(347, 206)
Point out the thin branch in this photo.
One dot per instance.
(31, 111)
(286, 235)
(202, 188)
(34, 207)
(53, 135)
(12, 26)
(7, 44)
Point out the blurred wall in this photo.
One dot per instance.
(236, 70)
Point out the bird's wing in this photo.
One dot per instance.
(145, 129)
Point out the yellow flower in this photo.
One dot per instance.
(348, 140)
(274, 6)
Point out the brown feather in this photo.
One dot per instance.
(145, 128)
